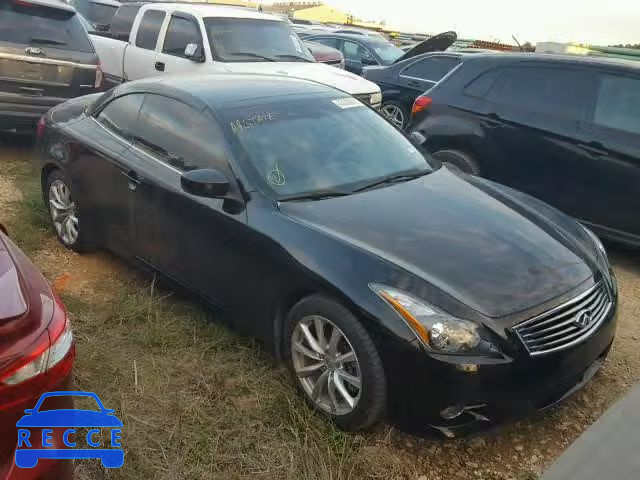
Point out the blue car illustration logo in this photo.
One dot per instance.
(112, 456)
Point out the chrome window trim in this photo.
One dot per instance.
(49, 61)
(133, 146)
(427, 58)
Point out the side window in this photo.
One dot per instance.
(123, 19)
(180, 33)
(329, 42)
(481, 85)
(618, 104)
(149, 29)
(557, 91)
(352, 51)
(121, 115)
(184, 139)
(432, 69)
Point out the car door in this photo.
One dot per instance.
(420, 75)
(183, 29)
(356, 56)
(530, 125)
(196, 241)
(610, 140)
(99, 168)
(140, 59)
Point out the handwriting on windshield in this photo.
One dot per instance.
(253, 121)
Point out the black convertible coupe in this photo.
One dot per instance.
(389, 285)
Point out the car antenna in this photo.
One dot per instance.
(516, 40)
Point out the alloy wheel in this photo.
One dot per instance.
(326, 365)
(393, 114)
(63, 212)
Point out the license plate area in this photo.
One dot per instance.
(21, 71)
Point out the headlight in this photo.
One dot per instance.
(438, 331)
(596, 240)
(376, 98)
(603, 252)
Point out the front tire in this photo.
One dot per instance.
(64, 212)
(461, 160)
(334, 362)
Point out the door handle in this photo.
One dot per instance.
(160, 66)
(593, 149)
(132, 178)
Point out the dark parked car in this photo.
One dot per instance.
(99, 12)
(36, 356)
(358, 50)
(45, 58)
(563, 129)
(410, 75)
(387, 284)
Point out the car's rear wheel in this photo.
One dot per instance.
(335, 363)
(65, 212)
(396, 113)
(463, 161)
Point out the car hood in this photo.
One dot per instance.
(437, 43)
(474, 240)
(318, 72)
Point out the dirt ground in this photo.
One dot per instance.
(197, 402)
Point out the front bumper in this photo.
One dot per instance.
(490, 394)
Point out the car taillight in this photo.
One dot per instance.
(422, 103)
(98, 81)
(40, 127)
(54, 349)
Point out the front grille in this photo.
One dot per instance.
(566, 325)
(333, 62)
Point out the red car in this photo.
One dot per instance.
(37, 351)
(325, 54)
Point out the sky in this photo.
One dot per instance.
(597, 22)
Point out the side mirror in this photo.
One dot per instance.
(194, 52)
(206, 182)
(417, 138)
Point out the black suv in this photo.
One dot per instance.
(563, 129)
(46, 57)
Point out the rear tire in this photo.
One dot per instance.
(352, 369)
(464, 162)
(64, 212)
(396, 114)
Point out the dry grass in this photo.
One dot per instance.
(199, 402)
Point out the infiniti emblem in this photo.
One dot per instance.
(583, 318)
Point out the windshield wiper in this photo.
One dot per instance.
(288, 55)
(47, 41)
(319, 195)
(251, 54)
(400, 177)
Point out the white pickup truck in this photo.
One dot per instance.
(152, 39)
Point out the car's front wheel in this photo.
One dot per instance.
(65, 212)
(335, 363)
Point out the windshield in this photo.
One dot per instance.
(31, 24)
(254, 40)
(101, 13)
(387, 52)
(319, 144)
